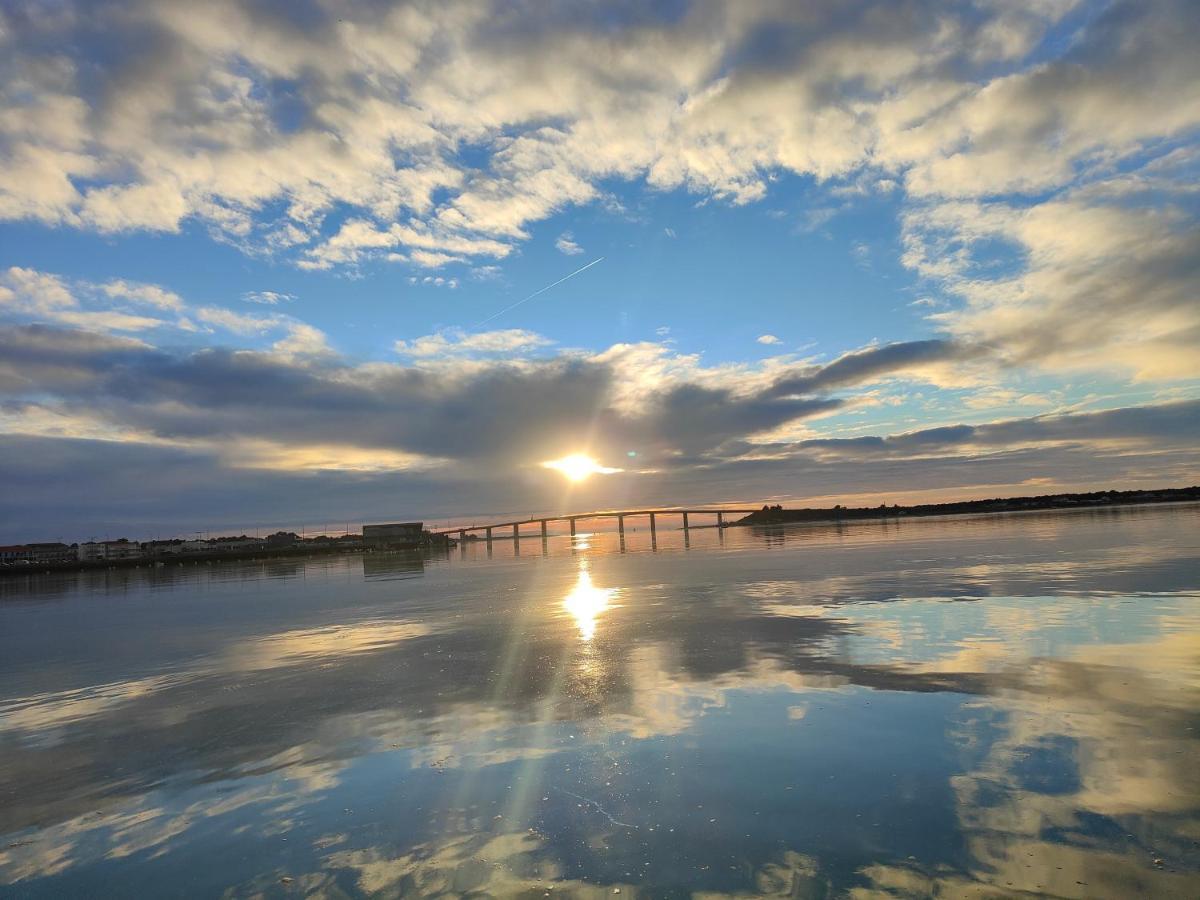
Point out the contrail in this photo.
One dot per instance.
(541, 291)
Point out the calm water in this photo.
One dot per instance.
(967, 708)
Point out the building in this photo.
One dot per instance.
(52, 552)
(283, 539)
(241, 544)
(15, 555)
(238, 544)
(22, 554)
(103, 551)
(171, 547)
(395, 536)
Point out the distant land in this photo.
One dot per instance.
(777, 515)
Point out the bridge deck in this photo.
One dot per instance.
(607, 514)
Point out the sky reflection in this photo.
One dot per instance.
(954, 708)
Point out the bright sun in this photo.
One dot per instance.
(577, 467)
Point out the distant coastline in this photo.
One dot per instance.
(777, 515)
(287, 544)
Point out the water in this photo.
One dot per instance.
(971, 707)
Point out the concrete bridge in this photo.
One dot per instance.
(512, 530)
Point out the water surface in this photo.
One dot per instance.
(978, 707)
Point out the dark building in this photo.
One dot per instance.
(55, 552)
(23, 554)
(395, 536)
(15, 554)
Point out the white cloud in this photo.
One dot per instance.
(429, 259)
(455, 342)
(268, 298)
(302, 340)
(940, 99)
(238, 323)
(768, 339)
(27, 295)
(1068, 155)
(566, 244)
(436, 281)
(486, 273)
(30, 295)
(149, 294)
(1106, 279)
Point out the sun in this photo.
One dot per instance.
(578, 467)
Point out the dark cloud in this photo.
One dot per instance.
(1167, 426)
(192, 427)
(38, 358)
(873, 362)
(498, 411)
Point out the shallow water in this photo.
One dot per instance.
(968, 707)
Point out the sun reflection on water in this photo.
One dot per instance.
(586, 602)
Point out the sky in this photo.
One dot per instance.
(312, 264)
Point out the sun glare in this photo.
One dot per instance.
(586, 602)
(578, 466)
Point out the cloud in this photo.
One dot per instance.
(1108, 279)
(566, 244)
(468, 407)
(149, 294)
(301, 340)
(1034, 129)
(333, 140)
(430, 259)
(436, 281)
(472, 397)
(937, 360)
(238, 323)
(486, 273)
(268, 298)
(454, 342)
(29, 294)
(1167, 425)
(768, 339)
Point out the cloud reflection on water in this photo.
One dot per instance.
(1041, 737)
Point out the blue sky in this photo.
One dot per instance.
(267, 249)
(670, 260)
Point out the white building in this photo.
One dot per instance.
(101, 551)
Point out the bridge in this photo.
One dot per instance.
(513, 529)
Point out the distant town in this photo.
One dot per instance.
(50, 555)
(413, 535)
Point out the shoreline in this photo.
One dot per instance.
(175, 560)
(998, 506)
